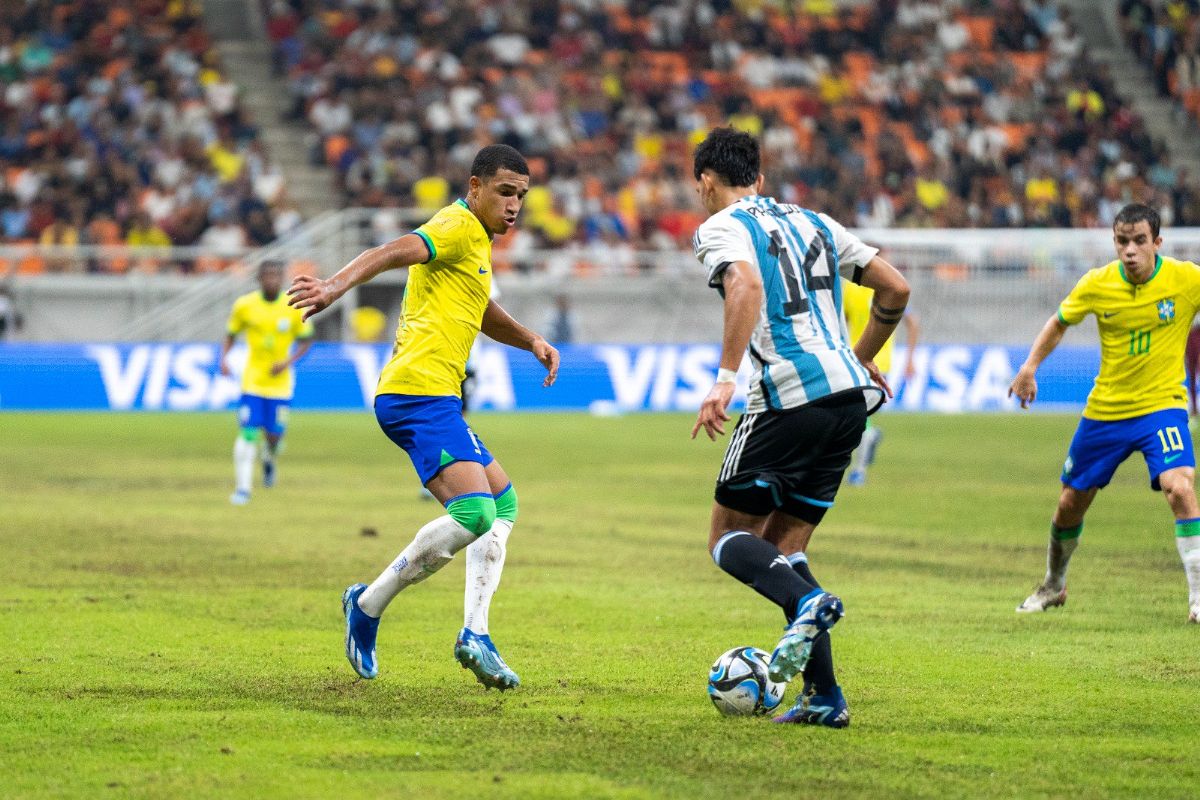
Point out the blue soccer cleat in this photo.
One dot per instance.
(477, 653)
(360, 633)
(819, 611)
(268, 474)
(829, 710)
(239, 498)
(857, 477)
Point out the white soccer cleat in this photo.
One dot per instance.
(1044, 597)
(1194, 615)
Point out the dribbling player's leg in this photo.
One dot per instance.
(474, 648)
(736, 543)
(792, 536)
(485, 557)
(461, 487)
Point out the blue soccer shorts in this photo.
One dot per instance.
(1099, 447)
(263, 412)
(431, 430)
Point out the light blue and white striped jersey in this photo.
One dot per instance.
(799, 347)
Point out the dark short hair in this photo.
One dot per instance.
(1134, 213)
(731, 154)
(496, 157)
(270, 264)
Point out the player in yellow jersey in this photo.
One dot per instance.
(418, 405)
(856, 307)
(1144, 304)
(271, 328)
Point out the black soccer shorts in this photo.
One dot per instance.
(792, 460)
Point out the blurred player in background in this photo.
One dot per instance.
(1191, 365)
(418, 403)
(856, 302)
(1144, 304)
(777, 268)
(271, 327)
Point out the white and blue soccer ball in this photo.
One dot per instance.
(739, 686)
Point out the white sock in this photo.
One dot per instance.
(485, 562)
(243, 464)
(1189, 553)
(430, 550)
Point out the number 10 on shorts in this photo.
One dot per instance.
(1171, 439)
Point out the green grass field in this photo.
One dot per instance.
(158, 642)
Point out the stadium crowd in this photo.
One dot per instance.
(959, 113)
(1165, 34)
(118, 125)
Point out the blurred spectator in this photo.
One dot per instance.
(10, 320)
(910, 112)
(110, 110)
(561, 325)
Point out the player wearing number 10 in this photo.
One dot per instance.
(1144, 304)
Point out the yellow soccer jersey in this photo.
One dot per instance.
(856, 303)
(443, 307)
(1143, 333)
(271, 327)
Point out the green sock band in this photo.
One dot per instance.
(1187, 527)
(249, 434)
(506, 504)
(1061, 534)
(475, 512)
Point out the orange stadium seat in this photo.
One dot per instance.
(982, 31)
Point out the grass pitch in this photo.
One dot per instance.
(158, 642)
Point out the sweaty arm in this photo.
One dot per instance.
(1024, 386)
(743, 288)
(315, 295)
(887, 307)
(499, 325)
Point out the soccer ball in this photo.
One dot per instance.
(738, 684)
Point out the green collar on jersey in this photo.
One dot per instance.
(1157, 267)
(461, 202)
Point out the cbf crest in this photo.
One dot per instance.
(1166, 311)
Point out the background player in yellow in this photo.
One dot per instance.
(418, 403)
(1144, 304)
(856, 305)
(271, 327)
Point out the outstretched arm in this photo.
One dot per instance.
(887, 309)
(499, 325)
(743, 301)
(315, 295)
(1024, 386)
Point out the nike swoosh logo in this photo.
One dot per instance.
(1108, 314)
(1175, 457)
(482, 271)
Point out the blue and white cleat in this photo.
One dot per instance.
(819, 611)
(360, 633)
(857, 477)
(268, 474)
(829, 710)
(477, 653)
(239, 498)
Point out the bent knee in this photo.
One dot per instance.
(476, 513)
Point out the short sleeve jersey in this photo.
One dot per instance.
(1143, 334)
(271, 327)
(799, 347)
(443, 307)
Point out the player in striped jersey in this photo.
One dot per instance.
(777, 266)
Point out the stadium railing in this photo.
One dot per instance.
(969, 286)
